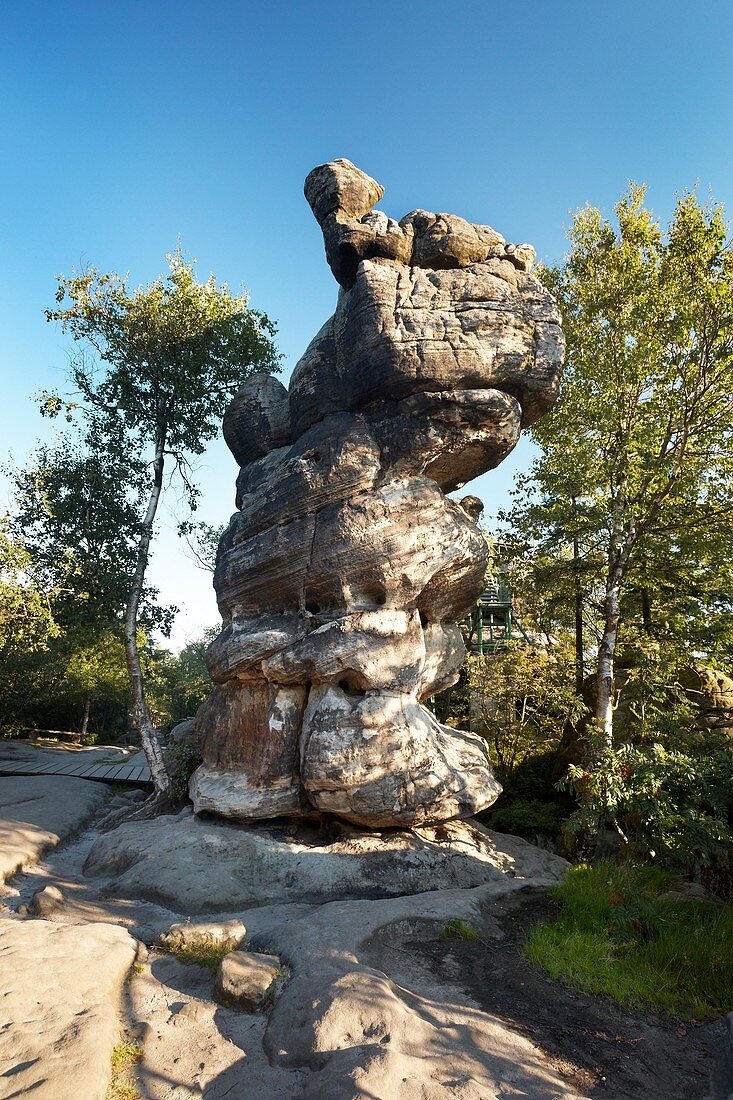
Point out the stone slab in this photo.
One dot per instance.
(59, 990)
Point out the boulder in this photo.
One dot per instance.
(46, 901)
(366, 650)
(247, 980)
(250, 745)
(228, 933)
(433, 772)
(194, 865)
(258, 419)
(36, 812)
(185, 735)
(711, 693)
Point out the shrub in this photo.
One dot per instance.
(674, 806)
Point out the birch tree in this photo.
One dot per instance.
(156, 368)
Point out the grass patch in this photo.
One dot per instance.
(208, 954)
(618, 934)
(458, 930)
(125, 1056)
(119, 1090)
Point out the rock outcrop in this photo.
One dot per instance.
(202, 867)
(345, 570)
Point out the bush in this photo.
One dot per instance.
(527, 818)
(674, 806)
(530, 803)
(522, 697)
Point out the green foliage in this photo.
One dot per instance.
(622, 932)
(97, 672)
(671, 805)
(125, 1056)
(530, 804)
(175, 353)
(79, 516)
(458, 930)
(203, 541)
(622, 534)
(636, 458)
(643, 422)
(521, 698)
(179, 683)
(166, 359)
(26, 620)
(526, 817)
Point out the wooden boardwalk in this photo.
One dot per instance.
(138, 774)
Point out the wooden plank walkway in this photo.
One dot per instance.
(79, 769)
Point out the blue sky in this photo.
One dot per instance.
(127, 125)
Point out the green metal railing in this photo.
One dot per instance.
(492, 621)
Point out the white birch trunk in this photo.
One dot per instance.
(607, 653)
(151, 745)
(622, 539)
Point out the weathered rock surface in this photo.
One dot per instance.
(229, 933)
(247, 980)
(46, 901)
(711, 693)
(383, 759)
(59, 989)
(36, 812)
(344, 571)
(196, 866)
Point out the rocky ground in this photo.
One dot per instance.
(370, 999)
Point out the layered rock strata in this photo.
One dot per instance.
(345, 570)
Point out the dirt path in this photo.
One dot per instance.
(605, 1050)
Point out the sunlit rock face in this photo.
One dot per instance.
(345, 569)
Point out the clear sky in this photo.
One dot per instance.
(127, 125)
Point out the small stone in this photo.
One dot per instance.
(689, 891)
(46, 901)
(246, 980)
(228, 933)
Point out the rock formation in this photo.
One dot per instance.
(344, 572)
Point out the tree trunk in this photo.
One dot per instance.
(607, 651)
(85, 720)
(141, 714)
(623, 537)
(578, 599)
